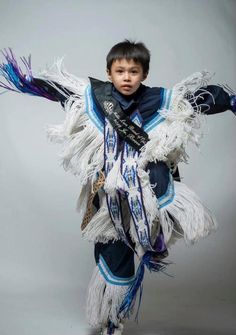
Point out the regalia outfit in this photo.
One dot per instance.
(125, 151)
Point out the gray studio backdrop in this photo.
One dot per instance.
(45, 266)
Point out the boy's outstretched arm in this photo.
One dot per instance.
(18, 81)
(214, 99)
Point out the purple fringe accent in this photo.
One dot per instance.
(17, 80)
(160, 245)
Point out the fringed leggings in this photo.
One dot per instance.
(112, 277)
(115, 270)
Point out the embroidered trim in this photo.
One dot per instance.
(109, 277)
(158, 118)
(133, 189)
(91, 110)
(168, 197)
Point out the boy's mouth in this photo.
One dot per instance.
(126, 87)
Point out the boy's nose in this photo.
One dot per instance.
(126, 76)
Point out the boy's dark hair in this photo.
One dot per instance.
(127, 49)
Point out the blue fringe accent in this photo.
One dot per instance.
(137, 285)
(130, 297)
(110, 328)
(17, 80)
(154, 266)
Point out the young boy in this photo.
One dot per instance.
(124, 140)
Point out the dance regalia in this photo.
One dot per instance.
(125, 151)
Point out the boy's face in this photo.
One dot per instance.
(126, 75)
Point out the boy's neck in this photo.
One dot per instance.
(128, 102)
(133, 97)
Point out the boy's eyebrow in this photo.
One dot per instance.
(123, 67)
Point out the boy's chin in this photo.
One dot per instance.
(126, 92)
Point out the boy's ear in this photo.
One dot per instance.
(108, 74)
(145, 76)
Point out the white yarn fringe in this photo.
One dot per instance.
(104, 300)
(100, 228)
(57, 73)
(189, 217)
(193, 82)
(169, 140)
(82, 151)
(112, 179)
(82, 200)
(149, 197)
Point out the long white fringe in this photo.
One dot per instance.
(188, 218)
(104, 300)
(169, 140)
(82, 200)
(149, 197)
(100, 228)
(57, 73)
(82, 151)
(113, 177)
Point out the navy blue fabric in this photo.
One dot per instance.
(44, 85)
(159, 177)
(118, 257)
(146, 99)
(218, 100)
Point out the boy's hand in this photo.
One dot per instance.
(233, 103)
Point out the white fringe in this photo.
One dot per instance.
(169, 140)
(193, 82)
(84, 192)
(112, 179)
(149, 197)
(104, 300)
(82, 151)
(58, 73)
(100, 228)
(191, 219)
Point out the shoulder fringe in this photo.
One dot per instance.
(169, 140)
(82, 151)
(104, 300)
(192, 82)
(186, 217)
(57, 73)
